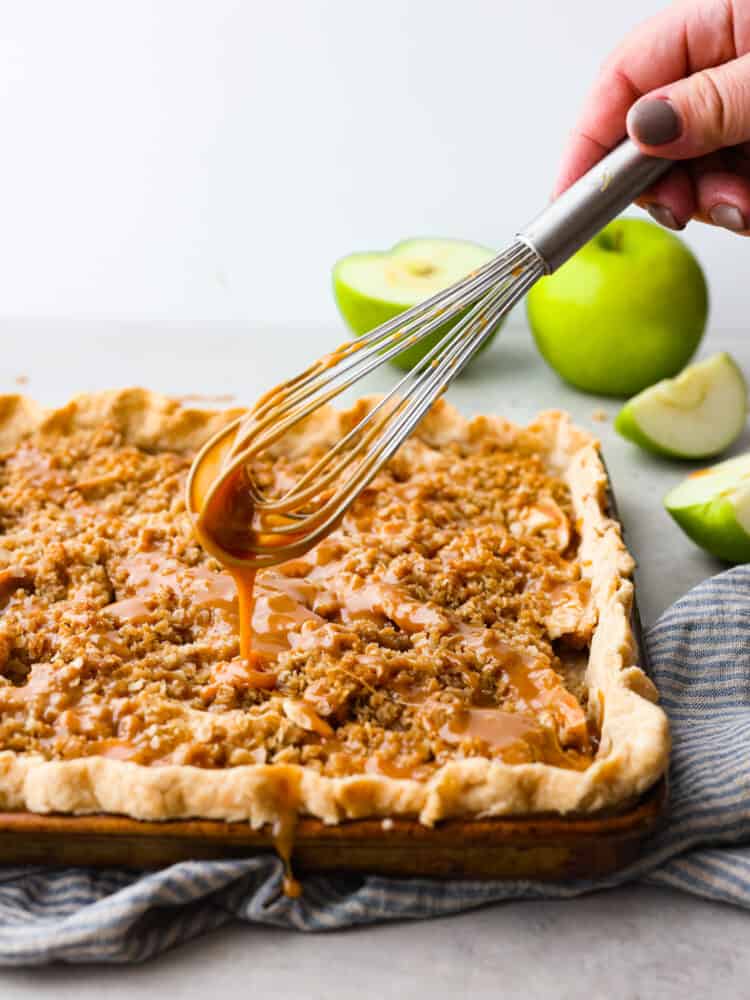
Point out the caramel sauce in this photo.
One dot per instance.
(535, 685)
(75, 715)
(135, 610)
(114, 749)
(240, 673)
(492, 726)
(379, 602)
(12, 580)
(510, 736)
(283, 831)
(244, 580)
(226, 528)
(377, 764)
(227, 518)
(150, 572)
(284, 828)
(269, 611)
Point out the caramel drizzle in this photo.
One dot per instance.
(281, 603)
(244, 580)
(266, 613)
(282, 832)
(225, 527)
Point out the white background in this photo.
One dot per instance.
(208, 160)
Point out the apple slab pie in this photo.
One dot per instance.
(459, 646)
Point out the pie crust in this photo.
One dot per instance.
(631, 730)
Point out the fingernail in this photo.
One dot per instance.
(654, 121)
(663, 215)
(729, 217)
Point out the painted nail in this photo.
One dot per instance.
(654, 122)
(729, 217)
(664, 216)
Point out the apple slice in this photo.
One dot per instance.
(698, 414)
(712, 506)
(371, 288)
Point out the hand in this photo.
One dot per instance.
(679, 85)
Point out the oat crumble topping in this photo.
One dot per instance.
(445, 618)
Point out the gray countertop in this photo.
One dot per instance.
(628, 943)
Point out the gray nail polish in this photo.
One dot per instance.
(664, 216)
(728, 217)
(654, 122)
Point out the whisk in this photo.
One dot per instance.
(284, 527)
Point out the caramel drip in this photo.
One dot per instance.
(244, 580)
(283, 831)
(225, 527)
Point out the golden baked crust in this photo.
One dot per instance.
(93, 540)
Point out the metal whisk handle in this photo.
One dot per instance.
(589, 204)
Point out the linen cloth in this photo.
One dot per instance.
(700, 660)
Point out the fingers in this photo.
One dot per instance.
(713, 189)
(672, 201)
(702, 113)
(724, 200)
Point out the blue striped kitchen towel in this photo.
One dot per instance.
(700, 655)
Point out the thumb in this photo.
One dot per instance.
(697, 115)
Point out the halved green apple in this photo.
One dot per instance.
(371, 288)
(712, 506)
(697, 414)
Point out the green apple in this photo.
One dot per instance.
(712, 506)
(624, 312)
(371, 288)
(698, 414)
